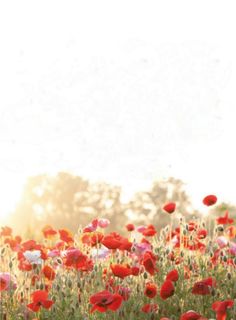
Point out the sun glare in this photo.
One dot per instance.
(10, 189)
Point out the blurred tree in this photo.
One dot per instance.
(146, 207)
(66, 201)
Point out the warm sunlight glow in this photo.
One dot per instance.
(11, 186)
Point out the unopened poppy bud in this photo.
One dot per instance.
(145, 275)
(69, 283)
(10, 264)
(213, 292)
(229, 275)
(41, 287)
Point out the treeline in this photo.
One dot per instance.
(68, 201)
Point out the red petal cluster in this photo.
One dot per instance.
(40, 299)
(105, 300)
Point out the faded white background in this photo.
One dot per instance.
(121, 91)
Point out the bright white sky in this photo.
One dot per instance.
(123, 91)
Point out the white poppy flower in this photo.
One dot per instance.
(33, 257)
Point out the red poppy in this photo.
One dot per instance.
(135, 271)
(48, 232)
(40, 299)
(150, 308)
(149, 231)
(6, 231)
(192, 225)
(167, 289)
(35, 278)
(220, 308)
(201, 233)
(24, 265)
(173, 275)
(112, 240)
(92, 238)
(105, 300)
(150, 290)
(66, 236)
(149, 262)
(75, 258)
(204, 286)
(125, 244)
(14, 243)
(191, 315)
(209, 200)
(120, 270)
(49, 273)
(3, 284)
(130, 227)
(225, 219)
(30, 245)
(87, 265)
(169, 207)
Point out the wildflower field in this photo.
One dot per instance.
(184, 271)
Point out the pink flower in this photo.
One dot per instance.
(54, 253)
(91, 227)
(232, 248)
(141, 229)
(103, 223)
(141, 248)
(222, 242)
(6, 282)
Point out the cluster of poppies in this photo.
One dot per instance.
(175, 273)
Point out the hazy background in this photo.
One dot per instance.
(124, 92)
